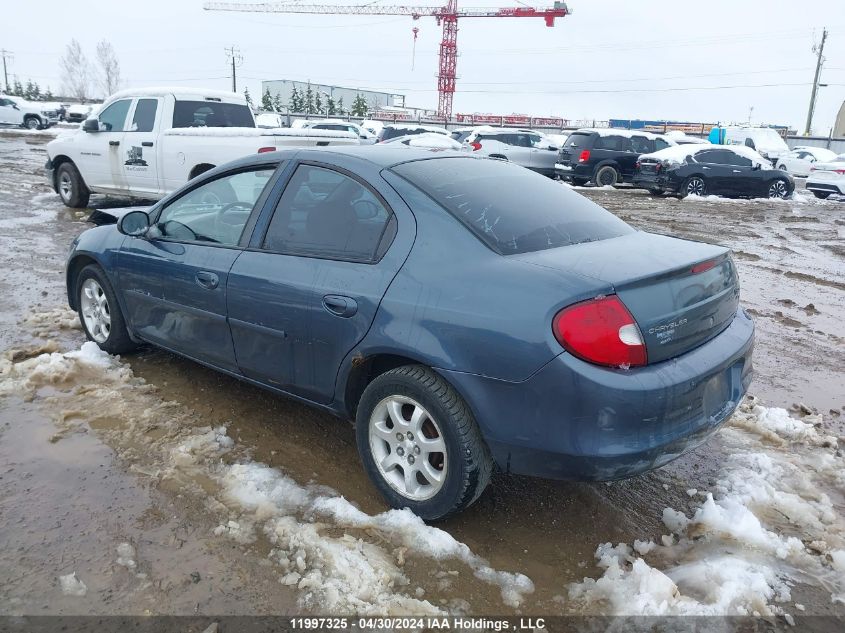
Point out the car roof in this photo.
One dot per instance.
(382, 156)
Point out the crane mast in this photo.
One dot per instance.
(446, 16)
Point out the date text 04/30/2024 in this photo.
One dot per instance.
(416, 623)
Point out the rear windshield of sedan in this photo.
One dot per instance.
(510, 208)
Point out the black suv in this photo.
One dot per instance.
(606, 157)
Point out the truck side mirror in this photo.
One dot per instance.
(91, 125)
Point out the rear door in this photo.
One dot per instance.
(572, 148)
(717, 173)
(173, 280)
(308, 289)
(140, 163)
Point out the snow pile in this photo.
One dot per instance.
(347, 572)
(45, 324)
(765, 525)
(72, 586)
(126, 556)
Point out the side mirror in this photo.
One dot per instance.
(15, 106)
(91, 125)
(134, 223)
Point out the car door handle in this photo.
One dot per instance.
(207, 280)
(737, 171)
(114, 143)
(340, 306)
(147, 144)
(705, 167)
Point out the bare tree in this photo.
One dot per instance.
(76, 72)
(109, 68)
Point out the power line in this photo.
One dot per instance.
(234, 54)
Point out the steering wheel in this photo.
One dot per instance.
(237, 213)
(365, 209)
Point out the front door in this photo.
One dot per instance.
(140, 165)
(100, 159)
(174, 279)
(9, 113)
(309, 290)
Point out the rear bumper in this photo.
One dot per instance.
(654, 181)
(570, 172)
(826, 185)
(574, 420)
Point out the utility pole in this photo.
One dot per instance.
(819, 63)
(234, 54)
(6, 55)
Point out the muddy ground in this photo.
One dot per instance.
(151, 485)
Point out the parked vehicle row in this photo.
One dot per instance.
(700, 170)
(800, 160)
(148, 143)
(357, 279)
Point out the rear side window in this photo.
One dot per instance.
(211, 114)
(577, 140)
(641, 145)
(324, 213)
(145, 115)
(509, 208)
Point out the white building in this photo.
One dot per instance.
(284, 88)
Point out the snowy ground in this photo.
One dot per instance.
(149, 485)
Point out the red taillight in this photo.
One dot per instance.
(703, 266)
(264, 150)
(475, 145)
(637, 165)
(839, 171)
(601, 331)
(585, 156)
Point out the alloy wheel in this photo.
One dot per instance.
(695, 187)
(32, 124)
(408, 448)
(778, 189)
(95, 310)
(65, 186)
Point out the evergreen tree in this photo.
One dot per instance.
(17, 89)
(318, 103)
(28, 90)
(359, 106)
(267, 101)
(340, 109)
(308, 105)
(331, 107)
(247, 97)
(295, 101)
(277, 102)
(36, 92)
(48, 95)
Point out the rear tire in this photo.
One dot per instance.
(656, 192)
(606, 175)
(693, 186)
(822, 195)
(71, 187)
(99, 312)
(417, 404)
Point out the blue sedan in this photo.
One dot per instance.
(464, 312)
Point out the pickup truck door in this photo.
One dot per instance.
(100, 159)
(140, 155)
(173, 280)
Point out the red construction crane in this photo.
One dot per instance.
(447, 16)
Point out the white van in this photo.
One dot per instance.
(764, 140)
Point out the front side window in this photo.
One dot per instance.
(145, 116)
(323, 213)
(113, 118)
(732, 158)
(659, 144)
(509, 208)
(215, 212)
(211, 114)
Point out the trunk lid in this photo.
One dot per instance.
(681, 293)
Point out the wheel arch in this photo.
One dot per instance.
(74, 267)
(57, 162)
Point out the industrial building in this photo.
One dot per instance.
(284, 88)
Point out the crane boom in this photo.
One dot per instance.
(446, 15)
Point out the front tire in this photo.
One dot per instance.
(420, 444)
(32, 123)
(779, 188)
(100, 313)
(71, 187)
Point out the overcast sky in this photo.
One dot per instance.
(651, 59)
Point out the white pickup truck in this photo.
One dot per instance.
(148, 143)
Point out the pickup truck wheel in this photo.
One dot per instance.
(72, 189)
(100, 313)
(32, 123)
(420, 444)
(606, 176)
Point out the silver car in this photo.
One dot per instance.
(524, 147)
